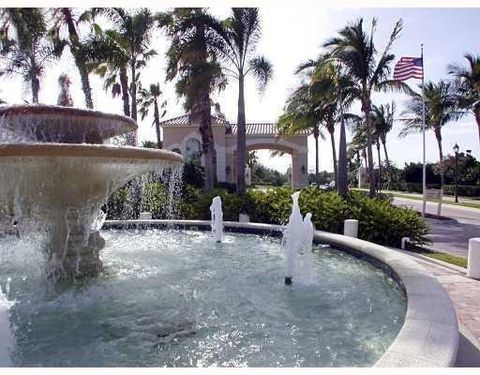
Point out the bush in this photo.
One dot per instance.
(379, 220)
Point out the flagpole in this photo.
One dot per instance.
(424, 168)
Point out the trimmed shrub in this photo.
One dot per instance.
(379, 220)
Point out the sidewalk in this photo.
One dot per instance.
(465, 295)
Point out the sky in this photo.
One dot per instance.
(290, 35)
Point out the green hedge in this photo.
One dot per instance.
(379, 220)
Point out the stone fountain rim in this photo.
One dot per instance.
(429, 336)
(86, 150)
(54, 110)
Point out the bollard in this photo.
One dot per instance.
(473, 268)
(350, 228)
(405, 241)
(243, 218)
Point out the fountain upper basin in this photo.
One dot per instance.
(43, 123)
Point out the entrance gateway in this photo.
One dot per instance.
(182, 136)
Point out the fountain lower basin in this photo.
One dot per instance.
(178, 299)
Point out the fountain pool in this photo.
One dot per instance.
(178, 298)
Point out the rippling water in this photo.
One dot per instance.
(177, 298)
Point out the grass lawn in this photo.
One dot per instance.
(452, 259)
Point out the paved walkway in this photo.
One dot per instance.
(465, 295)
(449, 236)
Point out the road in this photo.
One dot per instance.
(449, 236)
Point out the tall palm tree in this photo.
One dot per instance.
(108, 59)
(382, 121)
(467, 81)
(334, 93)
(303, 114)
(440, 109)
(32, 49)
(67, 16)
(193, 61)
(240, 34)
(149, 98)
(355, 50)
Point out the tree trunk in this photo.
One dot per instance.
(125, 94)
(387, 160)
(342, 161)
(438, 136)
(208, 145)
(316, 134)
(379, 166)
(35, 89)
(334, 155)
(477, 118)
(366, 108)
(156, 117)
(76, 49)
(133, 95)
(241, 135)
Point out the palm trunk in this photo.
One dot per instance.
(241, 135)
(35, 83)
(316, 134)
(78, 56)
(342, 161)
(156, 117)
(387, 160)
(125, 95)
(133, 95)
(379, 165)
(334, 155)
(35, 89)
(208, 146)
(371, 172)
(477, 118)
(438, 136)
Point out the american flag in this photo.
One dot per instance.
(408, 67)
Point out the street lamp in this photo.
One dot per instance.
(455, 149)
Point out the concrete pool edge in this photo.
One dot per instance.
(429, 336)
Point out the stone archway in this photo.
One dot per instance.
(298, 153)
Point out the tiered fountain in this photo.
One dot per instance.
(55, 175)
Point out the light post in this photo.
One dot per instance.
(455, 149)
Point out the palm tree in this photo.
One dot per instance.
(77, 47)
(240, 34)
(468, 85)
(131, 34)
(355, 51)
(332, 90)
(149, 98)
(440, 108)
(193, 60)
(303, 114)
(108, 58)
(33, 48)
(382, 121)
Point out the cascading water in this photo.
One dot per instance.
(59, 188)
(297, 240)
(217, 218)
(6, 337)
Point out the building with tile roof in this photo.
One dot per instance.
(182, 136)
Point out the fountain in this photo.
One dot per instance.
(217, 218)
(56, 174)
(298, 240)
